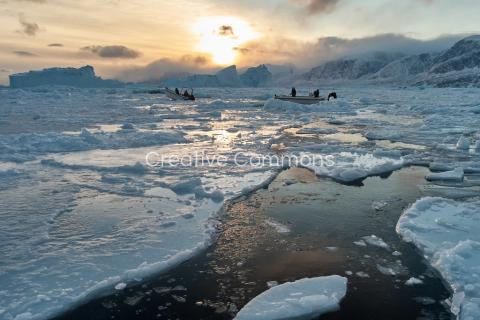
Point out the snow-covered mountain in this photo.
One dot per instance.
(83, 77)
(352, 68)
(458, 66)
(406, 67)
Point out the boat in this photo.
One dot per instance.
(301, 99)
(310, 99)
(174, 96)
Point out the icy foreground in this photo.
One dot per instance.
(448, 233)
(83, 214)
(302, 299)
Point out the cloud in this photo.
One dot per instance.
(313, 7)
(28, 28)
(116, 51)
(309, 54)
(55, 45)
(24, 54)
(4, 70)
(225, 30)
(166, 67)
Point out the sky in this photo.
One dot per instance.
(138, 40)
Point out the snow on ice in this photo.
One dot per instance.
(79, 160)
(302, 299)
(448, 233)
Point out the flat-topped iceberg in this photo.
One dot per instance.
(83, 77)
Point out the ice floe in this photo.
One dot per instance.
(302, 299)
(448, 234)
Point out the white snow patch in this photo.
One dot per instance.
(306, 299)
(413, 281)
(448, 233)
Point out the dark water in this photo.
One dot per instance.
(325, 218)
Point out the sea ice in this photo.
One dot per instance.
(463, 143)
(302, 299)
(413, 281)
(455, 175)
(373, 240)
(448, 234)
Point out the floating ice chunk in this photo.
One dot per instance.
(217, 196)
(362, 274)
(386, 270)
(463, 143)
(272, 284)
(332, 249)
(360, 243)
(379, 205)
(120, 286)
(394, 154)
(280, 228)
(448, 234)
(373, 240)
(413, 281)
(354, 166)
(88, 136)
(306, 299)
(438, 166)
(168, 224)
(185, 187)
(455, 175)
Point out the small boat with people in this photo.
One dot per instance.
(312, 98)
(177, 95)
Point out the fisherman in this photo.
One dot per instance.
(185, 93)
(316, 93)
(294, 92)
(176, 91)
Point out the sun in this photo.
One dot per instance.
(221, 36)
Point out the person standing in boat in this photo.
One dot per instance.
(294, 92)
(176, 91)
(316, 93)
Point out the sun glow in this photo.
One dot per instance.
(222, 36)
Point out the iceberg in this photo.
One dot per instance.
(257, 77)
(83, 77)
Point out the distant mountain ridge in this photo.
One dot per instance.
(458, 66)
